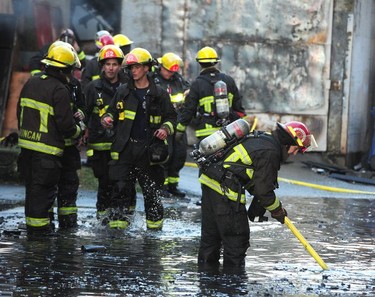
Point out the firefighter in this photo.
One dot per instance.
(123, 42)
(168, 77)
(201, 104)
(200, 101)
(98, 95)
(68, 184)
(143, 116)
(45, 118)
(92, 70)
(250, 164)
(66, 35)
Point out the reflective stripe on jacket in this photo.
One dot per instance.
(45, 116)
(216, 186)
(200, 103)
(98, 95)
(254, 163)
(159, 113)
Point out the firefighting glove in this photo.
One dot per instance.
(107, 122)
(10, 140)
(256, 211)
(279, 214)
(179, 136)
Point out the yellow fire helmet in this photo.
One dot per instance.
(63, 43)
(171, 62)
(60, 56)
(110, 51)
(207, 55)
(121, 40)
(138, 56)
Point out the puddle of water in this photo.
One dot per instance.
(137, 262)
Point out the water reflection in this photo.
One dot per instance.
(138, 262)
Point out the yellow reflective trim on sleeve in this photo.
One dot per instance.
(78, 132)
(180, 127)
(214, 185)
(81, 55)
(101, 146)
(207, 131)
(207, 102)
(94, 77)
(37, 222)
(274, 205)
(114, 155)
(89, 152)
(155, 119)
(170, 127)
(129, 114)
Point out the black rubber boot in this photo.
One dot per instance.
(172, 189)
(68, 221)
(165, 193)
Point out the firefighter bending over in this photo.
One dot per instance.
(236, 161)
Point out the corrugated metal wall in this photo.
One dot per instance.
(360, 78)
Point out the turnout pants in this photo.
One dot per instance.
(99, 164)
(68, 187)
(223, 226)
(176, 161)
(133, 165)
(41, 173)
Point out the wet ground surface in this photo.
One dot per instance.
(138, 262)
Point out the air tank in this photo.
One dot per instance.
(221, 99)
(219, 139)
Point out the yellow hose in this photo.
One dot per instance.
(255, 123)
(325, 188)
(305, 184)
(304, 242)
(191, 164)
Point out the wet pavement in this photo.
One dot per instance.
(139, 262)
